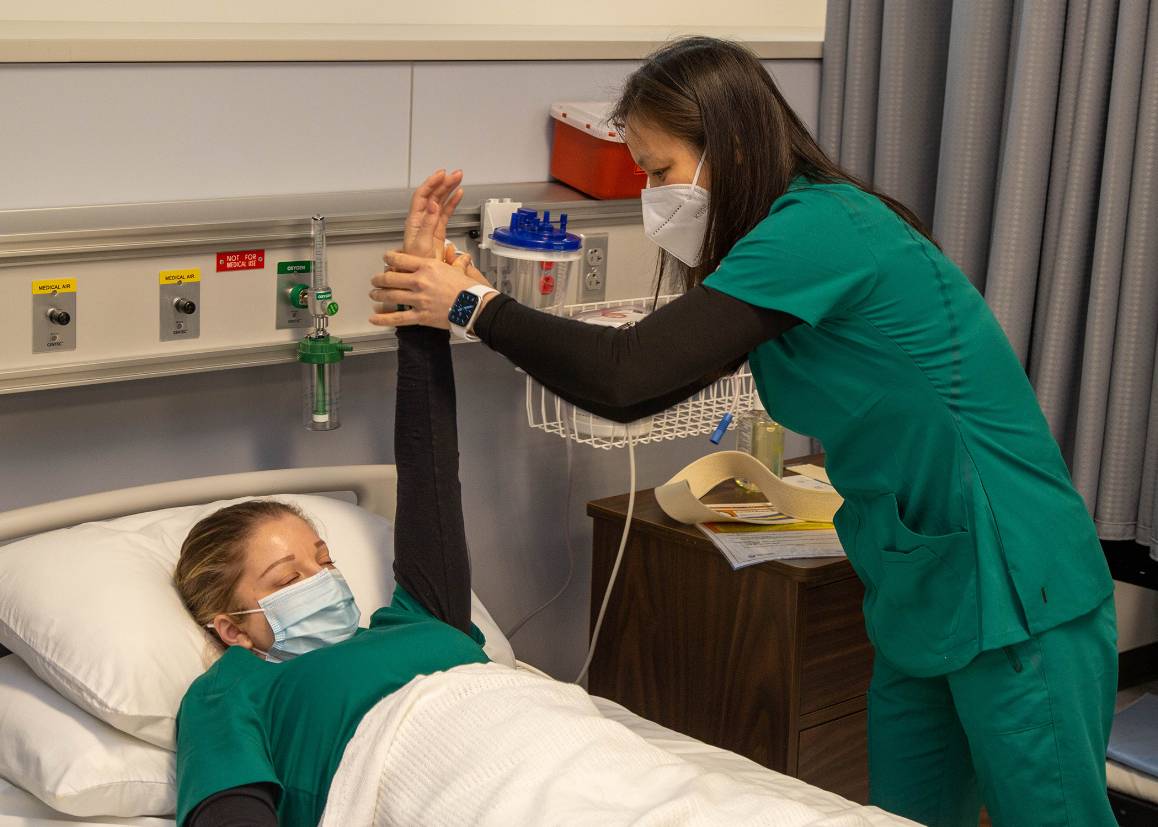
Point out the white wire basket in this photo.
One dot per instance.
(697, 416)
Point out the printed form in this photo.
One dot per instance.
(777, 537)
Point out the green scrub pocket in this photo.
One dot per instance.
(925, 583)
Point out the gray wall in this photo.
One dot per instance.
(115, 133)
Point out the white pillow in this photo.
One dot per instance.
(92, 609)
(73, 762)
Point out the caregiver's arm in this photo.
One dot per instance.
(430, 553)
(626, 373)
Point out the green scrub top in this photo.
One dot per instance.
(959, 513)
(247, 721)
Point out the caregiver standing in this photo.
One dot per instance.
(986, 593)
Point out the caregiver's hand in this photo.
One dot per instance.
(427, 286)
(431, 207)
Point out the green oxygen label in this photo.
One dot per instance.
(285, 268)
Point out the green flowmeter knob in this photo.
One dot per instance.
(299, 295)
(331, 308)
(322, 351)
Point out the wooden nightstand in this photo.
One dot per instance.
(770, 661)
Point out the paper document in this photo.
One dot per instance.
(812, 472)
(808, 483)
(764, 512)
(779, 538)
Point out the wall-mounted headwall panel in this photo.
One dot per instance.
(114, 276)
(116, 318)
(116, 133)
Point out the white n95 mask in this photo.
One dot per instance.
(675, 217)
(316, 612)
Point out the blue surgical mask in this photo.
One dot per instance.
(316, 612)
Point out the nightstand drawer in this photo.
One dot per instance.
(836, 655)
(835, 756)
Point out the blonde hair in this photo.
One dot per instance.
(213, 556)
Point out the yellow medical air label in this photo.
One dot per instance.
(42, 288)
(181, 276)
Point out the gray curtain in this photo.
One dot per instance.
(1025, 133)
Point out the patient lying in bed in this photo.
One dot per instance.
(263, 730)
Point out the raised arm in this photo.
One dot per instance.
(430, 553)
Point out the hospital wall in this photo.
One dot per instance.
(113, 133)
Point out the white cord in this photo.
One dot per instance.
(566, 537)
(737, 384)
(618, 558)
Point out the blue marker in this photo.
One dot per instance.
(722, 428)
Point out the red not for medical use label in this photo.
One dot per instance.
(241, 260)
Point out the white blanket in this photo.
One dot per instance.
(484, 744)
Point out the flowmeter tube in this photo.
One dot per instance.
(320, 360)
(320, 353)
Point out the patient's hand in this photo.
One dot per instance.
(400, 298)
(463, 262)
(431, 207)
(415, 290)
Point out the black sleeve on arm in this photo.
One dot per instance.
(431, 560)
(251, 805)
(626, 373)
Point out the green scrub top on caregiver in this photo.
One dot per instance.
(959, 512)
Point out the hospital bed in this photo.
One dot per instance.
(130, 514)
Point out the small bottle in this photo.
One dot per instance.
(762, 437)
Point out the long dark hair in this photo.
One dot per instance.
(716, 95)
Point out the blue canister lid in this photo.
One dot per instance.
(529, 232)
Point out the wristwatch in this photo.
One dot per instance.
(465, 310)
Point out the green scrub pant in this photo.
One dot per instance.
(1022, 729)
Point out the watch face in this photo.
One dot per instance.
(463, 308)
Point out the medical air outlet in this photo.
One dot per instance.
(320, 353)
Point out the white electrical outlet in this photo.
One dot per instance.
(593, 269)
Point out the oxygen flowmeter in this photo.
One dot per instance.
(320, 353)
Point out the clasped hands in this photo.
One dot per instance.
(422, 280)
